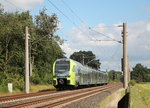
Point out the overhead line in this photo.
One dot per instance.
(71, 10)
(66, 16)
(79, 19)
(105, 35)
(109, 26)
(61, 12)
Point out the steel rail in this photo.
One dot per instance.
(77, 97)
(63, 95)
(21, 96)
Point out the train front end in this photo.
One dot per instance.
(62, 74)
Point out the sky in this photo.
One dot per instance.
(76, 16)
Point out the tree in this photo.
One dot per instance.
(114, 75)
(12, 47)
(86, 58)
(140, 73)
(44, 44)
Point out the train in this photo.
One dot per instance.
(68, 73)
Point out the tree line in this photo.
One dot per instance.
(44, 47)
(140, 73)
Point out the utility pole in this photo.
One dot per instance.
(125, 69)
(26, 60)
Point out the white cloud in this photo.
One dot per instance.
(66, 48)
(148, 27)
(13, 5)
(139, 41)
(110, 53)
(82, 39)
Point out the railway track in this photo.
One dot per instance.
(77, 97)
(63, 97)
(23, 96)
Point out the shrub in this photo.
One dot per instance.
(3, 89)
(132, 82)
(47, 79)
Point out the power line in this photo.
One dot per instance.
(109, 26)
(106, 40)
(61, 12)
(104, 35)
(71, 10)
(67, 17)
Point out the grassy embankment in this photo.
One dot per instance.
(33, 89)
(140, 96)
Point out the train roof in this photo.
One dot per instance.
(63, 59)
(79, 64)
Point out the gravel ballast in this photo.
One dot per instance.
(93, 101)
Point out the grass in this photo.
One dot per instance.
(39, 88)
(14, 93)
(33, 89)
(140, 96)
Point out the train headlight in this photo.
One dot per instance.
(61, 81)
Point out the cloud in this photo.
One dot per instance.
(110, 52)
(21, 5)
(84, 39)
(66, 48)
(139, 41)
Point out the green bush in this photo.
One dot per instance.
(132, 82)
(35, 79)
(19, 84)
(3, 89)
(48, 79)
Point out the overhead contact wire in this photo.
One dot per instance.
(61, 12)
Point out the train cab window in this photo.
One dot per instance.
(62, 66)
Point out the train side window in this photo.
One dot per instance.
(79, 70)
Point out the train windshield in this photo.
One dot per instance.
(62, 68)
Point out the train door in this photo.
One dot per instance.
(80, 75)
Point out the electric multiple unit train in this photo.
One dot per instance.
(68, 73)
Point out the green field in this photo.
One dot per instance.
(140, 96)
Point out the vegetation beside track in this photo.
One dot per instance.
(44, 51)
(140, 95)
(33, 89)
(40, 88)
